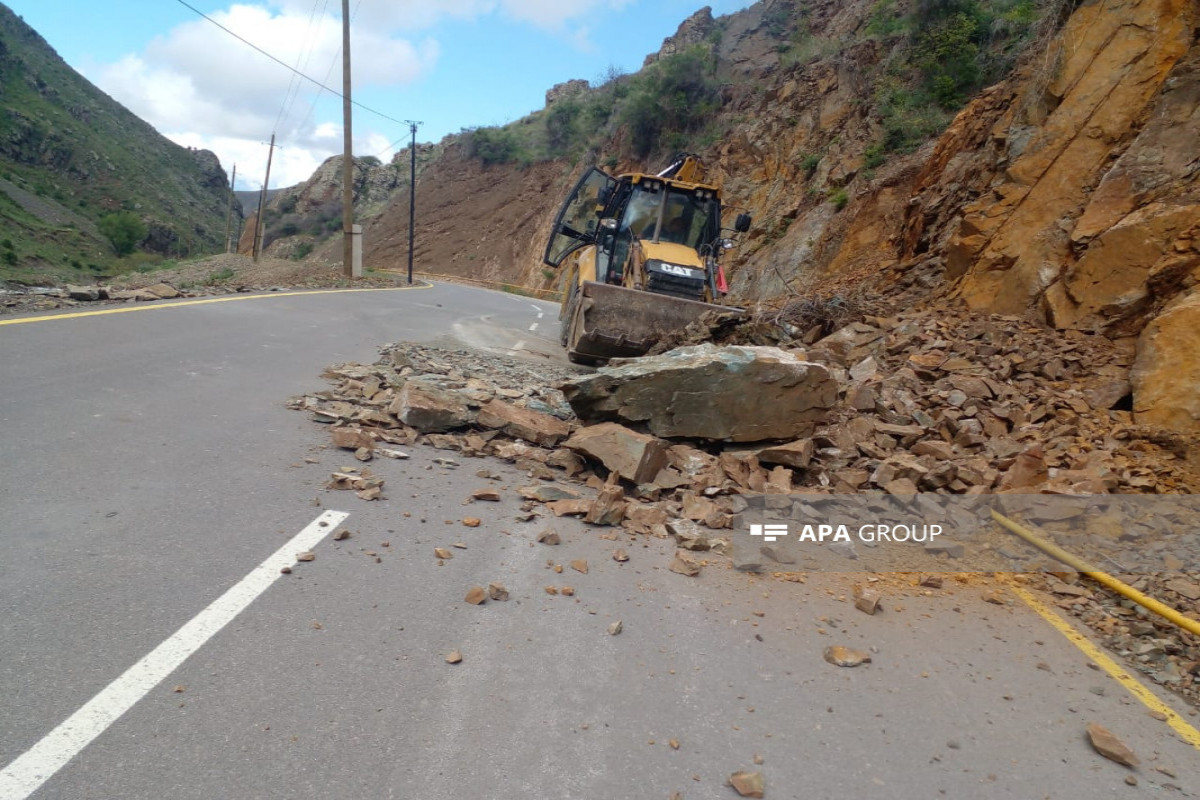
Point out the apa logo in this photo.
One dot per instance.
(769, 532)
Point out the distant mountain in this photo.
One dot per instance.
(70, 156)
(249, 199)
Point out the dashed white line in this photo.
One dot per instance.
(533, 327)
(37, 765)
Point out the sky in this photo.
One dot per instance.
(449, 64)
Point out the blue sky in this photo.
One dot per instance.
(451, 64)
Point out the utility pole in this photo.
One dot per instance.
(262, 201)
(412, 196)
(229, 212)
(348, 151)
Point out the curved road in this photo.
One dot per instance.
(147, 465)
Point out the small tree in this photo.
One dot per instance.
(125, 230)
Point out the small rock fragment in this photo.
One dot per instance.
(443, 553)
(684, 564)
(932, 581)
(615, 628)
(551, 590)
(341, 535)
(306, 556)
(472, 522)
(549, 537)
(497, 591)
(866, 600)
(748, 784)
(580, 565)
(476, 596)
(487, 495)
(674, 744)
(995, 597)
(454, 657)
(620, 556)
(567, 591)
(1108, 745)
(841, 656)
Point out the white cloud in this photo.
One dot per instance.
(203, 88)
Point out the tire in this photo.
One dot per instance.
(567, 314)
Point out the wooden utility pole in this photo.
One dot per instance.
(412, 196)
(229, 212)
(262, 202)
(348, 151)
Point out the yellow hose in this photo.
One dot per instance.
(1099, 576)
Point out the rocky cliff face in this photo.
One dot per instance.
(1072, 191)
(1065, 192)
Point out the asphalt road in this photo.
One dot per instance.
(148, 464)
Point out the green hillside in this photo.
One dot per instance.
(82, 178)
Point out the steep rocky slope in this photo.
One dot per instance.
(1066, 190)
(70, 156)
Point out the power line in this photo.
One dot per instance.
(293, 90)
(187, 5)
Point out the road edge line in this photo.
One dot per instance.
(1115, 671)
(38, 764)
(204, 301)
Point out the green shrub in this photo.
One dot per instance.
(493, 145)
(675, 95)
(874, 156)
(562, 133)
(885, 21)
(302, 251)
(124, 229)
(840, 198)
(9, 258)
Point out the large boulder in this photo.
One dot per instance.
(736, 394)
(1166, 374)
(429, 408)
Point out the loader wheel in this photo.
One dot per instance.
(570, 320)
(567, 314)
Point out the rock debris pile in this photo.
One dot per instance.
(669, 445)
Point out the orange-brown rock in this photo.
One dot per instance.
(1114, 62)
(1166, 374)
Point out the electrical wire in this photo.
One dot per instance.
(314, 81)
(306, 48)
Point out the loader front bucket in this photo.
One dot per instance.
(615, 322)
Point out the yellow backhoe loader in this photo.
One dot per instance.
(641, 255)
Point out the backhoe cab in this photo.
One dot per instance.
(642, 255)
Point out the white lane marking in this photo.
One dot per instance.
(516, 348)
(541, 314)
(533, 327)
(37, 765)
